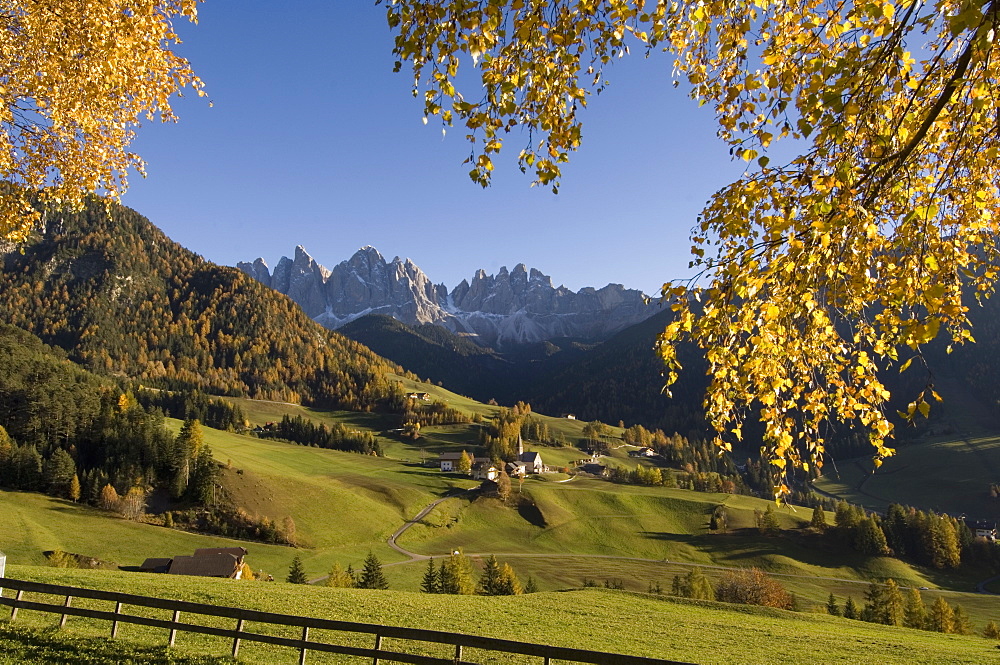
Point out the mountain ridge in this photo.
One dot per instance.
(515, 306)
(123, 299)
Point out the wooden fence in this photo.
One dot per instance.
(303, 645)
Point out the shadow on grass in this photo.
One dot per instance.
(20, 645)
(417, 469)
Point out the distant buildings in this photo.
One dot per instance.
(983, 528)
(483, 469)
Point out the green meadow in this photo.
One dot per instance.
(561, 531)
(597, 619)
(951, 475)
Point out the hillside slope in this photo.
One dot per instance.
(122, 298)
(439, 355)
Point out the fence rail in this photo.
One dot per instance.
(304, 644)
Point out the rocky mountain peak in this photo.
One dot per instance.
(514, 306)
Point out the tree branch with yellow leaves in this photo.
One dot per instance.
(815, 273)
(76, 79)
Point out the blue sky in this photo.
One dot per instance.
(313, 140)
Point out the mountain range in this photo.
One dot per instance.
(519, 306)
(124, 300)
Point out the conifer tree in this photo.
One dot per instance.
(296, 573)
(818, 520)
(941, 617)
(339, 578)
(961, 621)
(372, 576)
(74, 489)
(992, 631)
(6, 444)
(850, 608)
(508, 585)
(489, 581)
(697, 586)
(844, 516)
(532, 587)
(873, 609)
(831, 606)
(868, 537)
(893, 607)
(59, 472)
(769, 522)
(445, 583)
(456, 575)
(916, 612)
(203, 479)
(894, 526)
(431, 582)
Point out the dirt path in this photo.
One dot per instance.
(413, 556)
(391, 541)
(406, 525)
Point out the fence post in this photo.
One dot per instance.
(236, 640)
(114, 624)
(378, 646)
(62, 619)
(458, 653)
(173, 631)
(13, 612)
(305, 638)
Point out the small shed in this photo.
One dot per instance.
(207, 565)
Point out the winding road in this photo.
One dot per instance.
(406, 525)
(413, 556)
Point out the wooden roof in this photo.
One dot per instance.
(156, 564)
(205, 565)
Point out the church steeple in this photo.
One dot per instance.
(520, 446)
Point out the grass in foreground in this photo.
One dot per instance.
(619, 622)
(23, 645)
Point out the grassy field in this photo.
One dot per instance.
(345, 505)
(588, 517)
(558, 530)
(612, 621)
(950, 475)
(33, 523)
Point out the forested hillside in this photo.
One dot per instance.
(438, 355)
(123, 299)
(69, 433)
